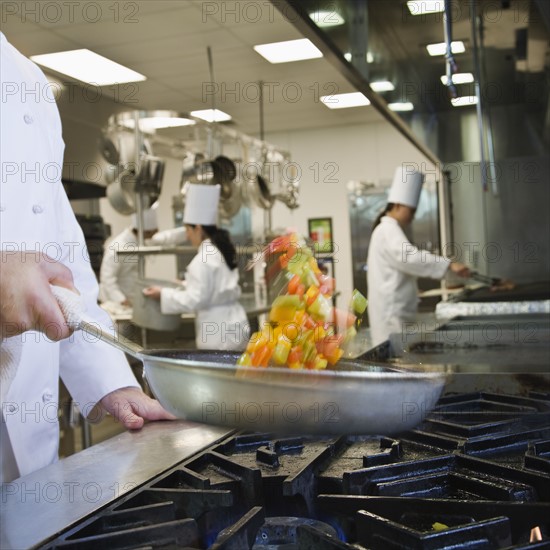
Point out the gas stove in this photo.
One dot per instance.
(474, 474)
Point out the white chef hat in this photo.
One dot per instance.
(149, 220)
(406, 186)
(201, 204)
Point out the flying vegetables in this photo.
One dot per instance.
(304, 330)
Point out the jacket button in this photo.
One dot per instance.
(37, 209)
(11, 408)
(47, 396)
(2, 208)
(28, 119)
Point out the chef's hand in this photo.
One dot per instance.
(132, 407)
(152, 292)
(460, 269)
(26, 300)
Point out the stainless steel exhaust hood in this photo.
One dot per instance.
(501, 225)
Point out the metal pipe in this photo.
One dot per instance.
(489, 132)
(485, 130)
(479, 109)
(450, 63)
(268, 222)
(139, 211)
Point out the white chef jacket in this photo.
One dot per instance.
(178, 235)
(35, 214)
(119, 272)
(393, 265)
(212, 292)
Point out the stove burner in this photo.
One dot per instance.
(282, 533)
(475, 475)
(537, 457)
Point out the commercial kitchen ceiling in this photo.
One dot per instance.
(167, 41)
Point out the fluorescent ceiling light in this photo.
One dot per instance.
(401, 107)
(89, 67)
(344, 101)
(211, 116)
(459, 78)
(422, 7)
(290, 50)
(441, 48)
(150, 124)
(464, 101)
(382, 86)
(370, 57)
(325, 18)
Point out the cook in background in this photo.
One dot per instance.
(35, 217)
(212, 279)
(119, 272)
(394, 264)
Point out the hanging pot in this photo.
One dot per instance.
(231, 205)
(228, 173)
(108, 149)
(208, 172)
(149, 177)
(258, 193)
(121, 193)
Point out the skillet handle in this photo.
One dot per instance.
(118, 341)
(72, 306)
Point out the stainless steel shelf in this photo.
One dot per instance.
(252, 249)
(145, 250)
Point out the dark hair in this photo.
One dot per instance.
(389, 206)
(222, 241)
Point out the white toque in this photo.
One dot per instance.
(406, 186)
(201, 204)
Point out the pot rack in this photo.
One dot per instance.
(203, 140)
(259, 182)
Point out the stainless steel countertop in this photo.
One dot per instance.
(251, 305)
(37, 507)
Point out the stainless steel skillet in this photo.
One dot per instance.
(354, 398)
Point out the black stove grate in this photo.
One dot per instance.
(475, 475)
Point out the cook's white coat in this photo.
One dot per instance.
(35, 214)
(393, 266)
(212, 291)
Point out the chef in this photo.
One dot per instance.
(42, 244)
(211, 288)
(119, 273)
(394, 264)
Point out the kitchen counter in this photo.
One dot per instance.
(36, 507)
(252, 306)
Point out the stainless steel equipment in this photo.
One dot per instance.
(146, 311)
(207, 386)
(497, 353)
(494, 302)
